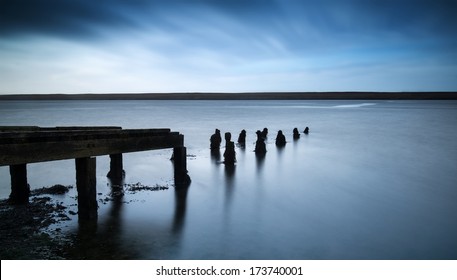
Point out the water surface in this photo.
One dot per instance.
(372, 180)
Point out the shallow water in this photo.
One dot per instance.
(372, 180)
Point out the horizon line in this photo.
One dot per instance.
(273, 95)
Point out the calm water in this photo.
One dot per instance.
(372, 180)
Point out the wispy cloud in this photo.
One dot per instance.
(211, 45)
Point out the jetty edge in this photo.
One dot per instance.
(22, 145)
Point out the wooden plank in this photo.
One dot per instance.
(58, 150)
(38, 145)
(46, 136)
(37, 128)
(18, 128)
(82, 128)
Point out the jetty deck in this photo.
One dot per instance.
(22, 145)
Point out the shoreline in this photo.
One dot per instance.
(353, 95)
(24, 230)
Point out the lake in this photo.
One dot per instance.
(372, 180)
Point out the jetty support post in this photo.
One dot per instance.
(182, 179)
(86, 186)
(116, 173)
(20, 190)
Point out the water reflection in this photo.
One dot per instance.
(180, 209)
(229, 172)
(280, 150)
(260, 160)
(117, 202)
(107, 238)
(103, 240)
(215, 155)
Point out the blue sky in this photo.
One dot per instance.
(85, 46)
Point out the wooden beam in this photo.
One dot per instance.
(38, 128)
(86, 186)
(20, 148)
(24, 137)
(20, 189)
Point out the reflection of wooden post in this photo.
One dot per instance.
(180, 209)
(180, 165)
(20, 190)
(86, 186)
(115, 167)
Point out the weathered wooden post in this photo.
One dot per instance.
(116, 171)
(20, 190)
(182, 179)
(86, 186)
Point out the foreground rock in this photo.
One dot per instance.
(21, 230)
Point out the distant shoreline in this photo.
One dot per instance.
(242, 96)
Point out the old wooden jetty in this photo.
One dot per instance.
(21, 145)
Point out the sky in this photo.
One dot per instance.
(115, 46)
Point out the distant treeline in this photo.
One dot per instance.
(242, 96)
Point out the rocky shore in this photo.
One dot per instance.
(33, 231)
(22, 230)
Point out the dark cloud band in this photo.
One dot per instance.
(77, 17)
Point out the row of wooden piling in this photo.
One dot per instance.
(260, 147)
